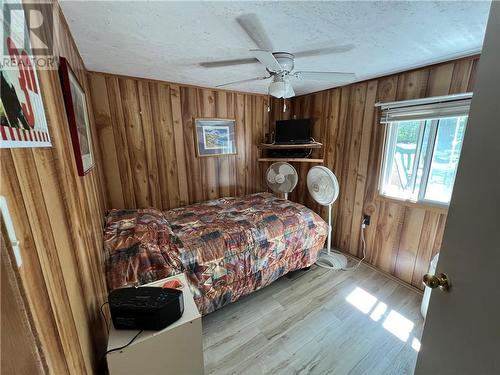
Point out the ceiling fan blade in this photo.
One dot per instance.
(324, 51)
(268, 59)
(222, 63)
(325, 76)
(243, 80)
(252, 26)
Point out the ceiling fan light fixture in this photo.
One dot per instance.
(277, 88)
(281, 88)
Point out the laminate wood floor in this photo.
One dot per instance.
(317, 322)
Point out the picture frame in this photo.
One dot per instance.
(75, 102)
(215, 136)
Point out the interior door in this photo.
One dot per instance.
(462, 330)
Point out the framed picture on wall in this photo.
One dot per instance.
(22, 115)
(215, 136)
(78, 119)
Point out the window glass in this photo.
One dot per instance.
(443, 168)
(421, 159)
(402, 156)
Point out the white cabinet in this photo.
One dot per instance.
(177, 349)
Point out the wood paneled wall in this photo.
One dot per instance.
(146, 135)
(58, 219)
(143, 140)
(402, 237)
(20, 352)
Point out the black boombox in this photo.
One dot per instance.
(148, 308)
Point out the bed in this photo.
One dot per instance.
(227, 247)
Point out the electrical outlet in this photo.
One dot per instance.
(366, 219)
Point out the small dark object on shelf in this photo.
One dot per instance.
(148, 308)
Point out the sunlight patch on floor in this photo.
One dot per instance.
(392, 321)
(415, 344)
(362, 300)
(378, 311)
(398, 325)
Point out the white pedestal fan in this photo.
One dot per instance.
(282, 178)
(324, 188)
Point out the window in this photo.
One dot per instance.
(421, 158)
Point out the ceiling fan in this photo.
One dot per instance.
(279, 65)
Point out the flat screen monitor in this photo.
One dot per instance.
(293, 131)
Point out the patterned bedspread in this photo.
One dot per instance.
(227, 247)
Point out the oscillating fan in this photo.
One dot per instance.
(324, 188)
(281, 178)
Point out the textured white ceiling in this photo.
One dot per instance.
(167, 40)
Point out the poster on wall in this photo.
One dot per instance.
(22, 116)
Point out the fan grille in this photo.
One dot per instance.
(281, 177)
(323, 185)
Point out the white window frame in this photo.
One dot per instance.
(388, 151)
(424, 109)
(427, 166)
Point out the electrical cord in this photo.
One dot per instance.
(107, 327)
(311, 150)
(124, 346)
(363, 226)
(104, 315)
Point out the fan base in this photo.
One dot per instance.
(331, 260)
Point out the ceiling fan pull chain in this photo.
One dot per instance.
(284, 105)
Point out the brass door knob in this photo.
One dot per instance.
(434, 281)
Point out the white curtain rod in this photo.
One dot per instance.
(423, 101)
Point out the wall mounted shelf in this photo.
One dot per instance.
(292, 160)
(272, 146)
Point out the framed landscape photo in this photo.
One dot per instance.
(78, 119)
(215, 136)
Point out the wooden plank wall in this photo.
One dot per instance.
(145, 131)
(58, 218)
(144, 148)
(20, 352)
(146, 134)
(402, 237)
